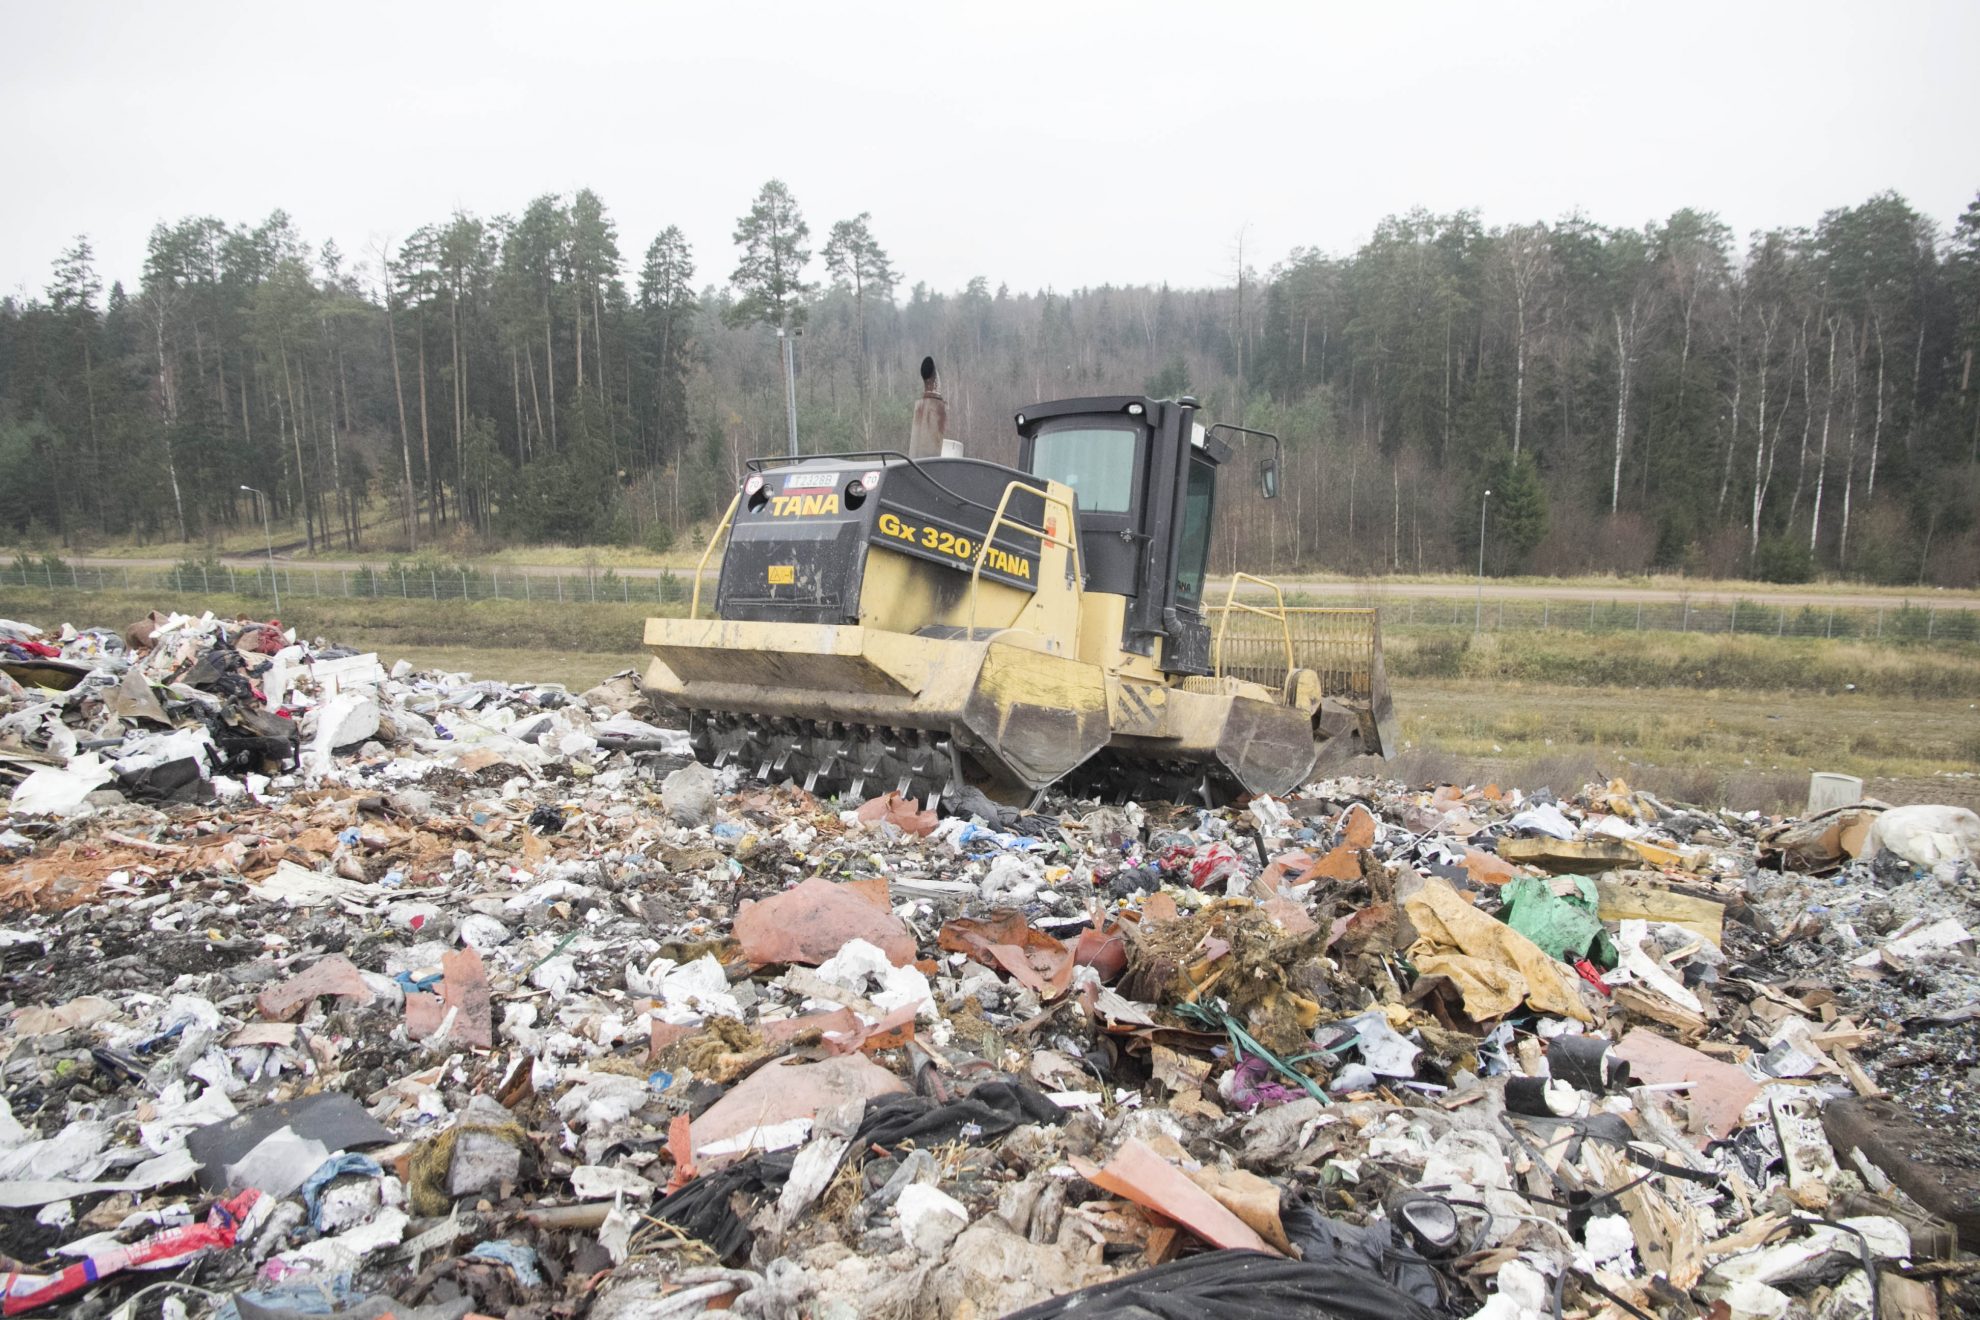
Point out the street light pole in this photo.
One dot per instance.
(789, 337)
(268, 538)
(1478, 616)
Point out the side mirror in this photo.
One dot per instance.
(1268, 477)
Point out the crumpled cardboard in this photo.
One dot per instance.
(1494, 966)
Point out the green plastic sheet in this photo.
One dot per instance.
(1564, 927)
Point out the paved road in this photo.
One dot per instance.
(1332, 588)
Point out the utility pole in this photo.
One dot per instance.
(788, 337)
(261, 498)
(1478, 615)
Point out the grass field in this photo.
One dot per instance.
(385, 542)
(1736, 720)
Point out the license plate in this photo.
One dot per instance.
(783, 575)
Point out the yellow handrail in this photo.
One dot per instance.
(1045, 538)
(694, 602)
(1231, 602)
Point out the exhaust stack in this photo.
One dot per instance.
(927, 437)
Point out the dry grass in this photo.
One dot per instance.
(1750, 750)
(1697, 661)
(1461, 584)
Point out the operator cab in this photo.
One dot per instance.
(1145, 475)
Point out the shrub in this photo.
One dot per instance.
(1784, 559)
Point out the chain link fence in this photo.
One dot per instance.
(388, 582)
(1898, 621)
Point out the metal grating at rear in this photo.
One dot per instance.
(1339, 644)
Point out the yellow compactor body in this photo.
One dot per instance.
(881, 622)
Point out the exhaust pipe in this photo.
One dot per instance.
(928, 436)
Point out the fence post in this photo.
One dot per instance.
(560, 588)
(433, 582)
(464, 584)
(495, 581)
(1780, 628)
(127, 579)
(73, 582)
(1639, 616)
(1410, 617)
(344, 582)
(594, 587)
(525, 578)
(1732, 624)
(1686, 625)
(1591, 616)
(50, 570)
(1501, 626)
(205, 583)
(233, 584)
(1831, 629)
(1931, 617)
(1880, 623)
(405, 592)
(1546, 609)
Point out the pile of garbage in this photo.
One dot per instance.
(333, 988)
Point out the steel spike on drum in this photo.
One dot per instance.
(828, 758)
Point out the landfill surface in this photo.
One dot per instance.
(334, 989)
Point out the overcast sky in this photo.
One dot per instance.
(1064, 144)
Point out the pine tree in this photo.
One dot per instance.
(769, 279)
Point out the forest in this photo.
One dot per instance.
(1797, 404)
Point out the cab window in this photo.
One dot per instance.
(1193, 554)
(1096, 461)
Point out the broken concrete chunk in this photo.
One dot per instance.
(482, 1161)
(930, 1218)
(689, 794)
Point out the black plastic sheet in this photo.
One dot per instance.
(1237, 1285)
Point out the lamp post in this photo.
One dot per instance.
(1478, 616)
(269, 538)
(788, 337)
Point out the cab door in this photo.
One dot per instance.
(1104, 460)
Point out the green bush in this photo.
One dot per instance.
(196, 574)
(1784, 559)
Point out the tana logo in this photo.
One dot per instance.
(803, 506)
